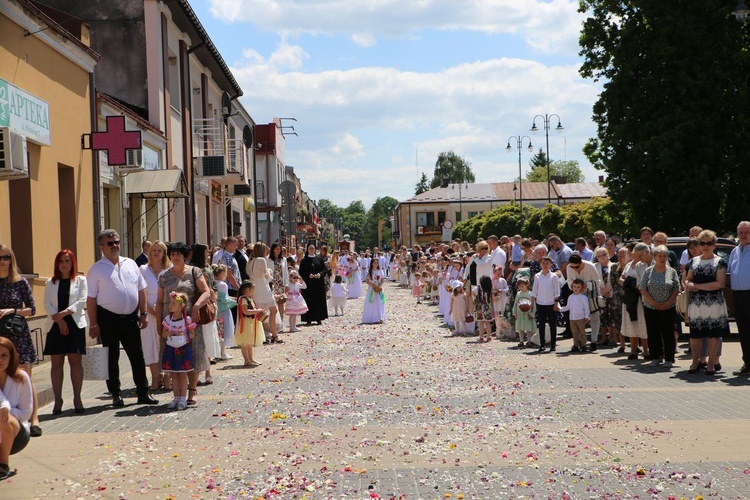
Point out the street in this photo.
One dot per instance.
(402, 410)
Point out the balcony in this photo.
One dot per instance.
(216, 156)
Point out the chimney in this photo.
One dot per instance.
(601, 179)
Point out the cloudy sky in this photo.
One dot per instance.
(380, 87)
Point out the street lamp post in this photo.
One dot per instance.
(519, 143)
(559, 129)
(740, 12)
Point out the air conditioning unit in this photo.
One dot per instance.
(211, 166)
(13, 155)
(133, 161)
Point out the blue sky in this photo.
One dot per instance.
(379, 85)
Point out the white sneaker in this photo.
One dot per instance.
(654, 362)
(172, 404)
(668, 364)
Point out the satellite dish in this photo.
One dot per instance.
(226, 105)
(247, 136)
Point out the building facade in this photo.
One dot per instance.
(47, 102)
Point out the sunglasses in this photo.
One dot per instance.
(5, 258)
(113, 243)
(706, 243)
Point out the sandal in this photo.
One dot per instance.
(209, 381)
(191, 401)
(276, 340)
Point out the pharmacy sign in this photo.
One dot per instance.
(24, 114)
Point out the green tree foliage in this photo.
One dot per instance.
(356, 207)
(568, 221)
(539, 160)
(381, 209)
(452, 166)
(672, 117)
(354, 226)
(423, 185)
(329, 211)
(568, 169)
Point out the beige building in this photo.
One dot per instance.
(47, 182)
(422, 218)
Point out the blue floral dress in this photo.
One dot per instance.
(17, 296)
(178, 359)
(707, 310)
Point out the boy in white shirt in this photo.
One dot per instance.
(578, 306)
(546, 296)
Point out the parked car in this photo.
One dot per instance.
(723, 248)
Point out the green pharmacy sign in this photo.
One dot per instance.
(24, 114)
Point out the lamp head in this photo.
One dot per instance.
(508, 148)
(559, 128)
(740, 12)
(534, 128)
(531, 148)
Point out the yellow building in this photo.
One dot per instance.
(46, 179)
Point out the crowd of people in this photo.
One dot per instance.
(599, 291)
(177, 309)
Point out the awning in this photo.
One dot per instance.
(153, 184)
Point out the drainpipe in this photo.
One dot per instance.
(95, 169)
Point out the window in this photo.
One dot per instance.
(458, 216)
(426, 219)
(441, 218)
(474, 214)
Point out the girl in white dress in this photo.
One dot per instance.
(374, 308)
(295, 303)
(355, 282)
(224, 312)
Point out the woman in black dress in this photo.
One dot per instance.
(64, 300)
(312, 269)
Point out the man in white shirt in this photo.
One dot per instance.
(116, 307)
(583, 249)
(499, 257)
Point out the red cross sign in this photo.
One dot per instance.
(116, 140)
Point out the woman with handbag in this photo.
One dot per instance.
(660, 285)
(17, 304)
(190, 281)
(201, 259)
(65, 300)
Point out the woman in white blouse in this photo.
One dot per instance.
(158, 262)
(16, 404)
(261, 273)
(65, 300)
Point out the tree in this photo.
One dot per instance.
(539, 160)
(452, 166)
(423, 185)
(381, 209)
(671, 135)
(329, 211)
(568, 169)
(356, 207)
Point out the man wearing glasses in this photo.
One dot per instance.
(116, 307)
(578, 268)
(738, 269)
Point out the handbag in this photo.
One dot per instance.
(12, 324)
(683, 304)
(207, 313)
(177, 341)
(96, 363)
(596, 301)
(469, 318)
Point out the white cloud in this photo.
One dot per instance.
(349, 121)
(364, 39)
(549, 26)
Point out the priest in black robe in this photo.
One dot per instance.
(312, 270)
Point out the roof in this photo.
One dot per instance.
(502, 191)
(191, 17)
(584, 190)
(31, 8)
(127, 110)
